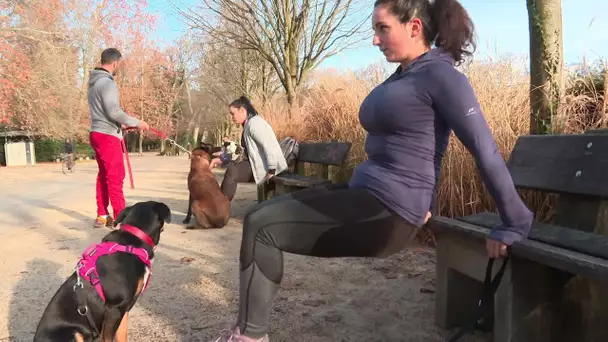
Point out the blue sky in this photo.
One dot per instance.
(501, 26)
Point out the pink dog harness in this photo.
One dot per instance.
(87, 265)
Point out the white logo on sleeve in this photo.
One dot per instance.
(471, 111)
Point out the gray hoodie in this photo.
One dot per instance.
(106, 115)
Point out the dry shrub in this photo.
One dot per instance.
(330, 107)
(276, 112)
(584, 101)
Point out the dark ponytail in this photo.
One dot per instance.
(455, 29)
(445, 22)
(243, 102)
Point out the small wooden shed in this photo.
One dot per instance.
(18, 149)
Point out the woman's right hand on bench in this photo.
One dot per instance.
(496, 249)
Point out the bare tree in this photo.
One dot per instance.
(546, 63)
(294, 36)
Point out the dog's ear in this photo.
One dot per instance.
(206, 147)
(200, 148)
(122, 215)
(163, 211)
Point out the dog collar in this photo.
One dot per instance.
(138, 233)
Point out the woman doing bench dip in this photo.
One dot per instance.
(408, 119)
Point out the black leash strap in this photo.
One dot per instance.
(83, 309)
(484, 306)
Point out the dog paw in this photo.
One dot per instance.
(186, 220)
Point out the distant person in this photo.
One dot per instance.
(68, 149)
(408, 120)
(106, 135)
(262, 157)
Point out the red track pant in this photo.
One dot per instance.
(111, 175)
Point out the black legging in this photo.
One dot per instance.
(236, 173)
(339, 222)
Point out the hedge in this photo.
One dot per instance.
(48, 150)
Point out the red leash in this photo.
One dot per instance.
(159, 133)
(126, 152)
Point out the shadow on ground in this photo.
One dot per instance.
(46, 205)
(31, 294)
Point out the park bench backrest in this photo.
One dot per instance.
(329, 153)
(572, 164)
(332, 153)
(575, 166)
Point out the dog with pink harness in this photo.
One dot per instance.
(87, 265)
(110, 276)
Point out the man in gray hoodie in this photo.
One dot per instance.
(107, 119)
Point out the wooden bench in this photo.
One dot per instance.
(555, 287)
(325, 154)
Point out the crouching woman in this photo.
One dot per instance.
(262, 157)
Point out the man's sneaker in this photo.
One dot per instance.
(101, 222)
(235, 336)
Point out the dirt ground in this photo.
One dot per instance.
(46, 222)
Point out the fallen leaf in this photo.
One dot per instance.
(186, 259)
(333, 318)
(426, 290)
(314, 302)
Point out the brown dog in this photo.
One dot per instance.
(210, 206)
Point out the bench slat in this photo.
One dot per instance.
(583, 242)
(553, 256)
(330, 153)
(572, 163)
(597, 131)
(294, 179)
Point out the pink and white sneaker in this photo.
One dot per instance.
(228, 335)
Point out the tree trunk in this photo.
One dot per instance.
(132, 143)
(141, 107)
(605, 112)
(291, 96)
(291, 70)
(87, 54)
(195, 136)
(141, 143)
(194, 119)
(290, 90)
(546, 63)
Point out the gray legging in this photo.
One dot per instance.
(338, 222)
(236, 173)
